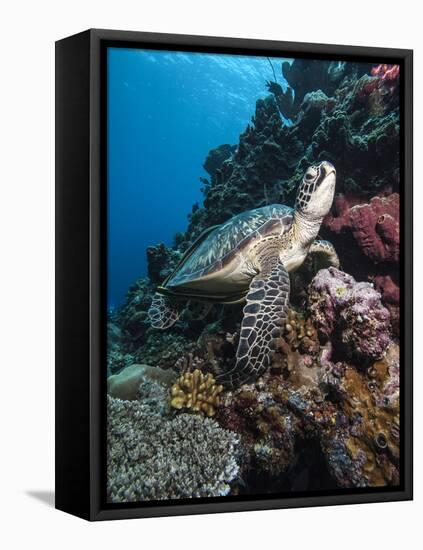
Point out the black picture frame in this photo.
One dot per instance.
(81, 274)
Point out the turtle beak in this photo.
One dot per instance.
(327, 168)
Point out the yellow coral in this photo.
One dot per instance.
(196, 391)
(300, 333)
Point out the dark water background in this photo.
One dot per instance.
(166, 110)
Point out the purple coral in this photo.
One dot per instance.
(349, 313)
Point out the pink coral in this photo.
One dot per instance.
(351, 313)
(386, 72)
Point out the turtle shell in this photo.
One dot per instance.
(219, 245)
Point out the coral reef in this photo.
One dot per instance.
(349, 313)
(266, 428)
(335, 124)
(161, 261)
(305, 76)
(349, 416)
(363, 444)
(300, 333)
(370, 230)
(132, 316)
(150, 457)
(197, 392)
(326, 413)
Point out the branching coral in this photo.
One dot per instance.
(150, 457)
(197, 392)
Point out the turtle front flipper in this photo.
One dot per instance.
(323, 255)
(264, 315)
(163, 312)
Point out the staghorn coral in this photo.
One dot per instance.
(197, 392)
(151, 457)
(349, 313)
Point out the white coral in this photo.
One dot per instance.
(151, 457)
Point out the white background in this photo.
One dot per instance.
(28, 32)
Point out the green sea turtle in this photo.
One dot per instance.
(248, 258)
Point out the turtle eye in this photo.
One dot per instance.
(310, 174)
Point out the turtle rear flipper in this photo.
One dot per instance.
(264, 315)
(163, 312)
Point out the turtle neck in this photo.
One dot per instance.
(305, 230)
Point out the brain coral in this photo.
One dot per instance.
(151, 457)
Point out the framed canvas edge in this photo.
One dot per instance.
(96, 256)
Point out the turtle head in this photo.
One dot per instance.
(316, 191)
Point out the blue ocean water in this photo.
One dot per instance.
(166, 110)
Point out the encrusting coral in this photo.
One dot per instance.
(197, 392)
(151, 457)
(362, 444)
(350, 313)
(300, 333)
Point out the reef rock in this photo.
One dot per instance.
(362, 445)
(126, 384)
(132, 316)
(349, 313)
(161, 261)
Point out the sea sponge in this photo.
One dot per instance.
(374, 225)
(197, 392)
